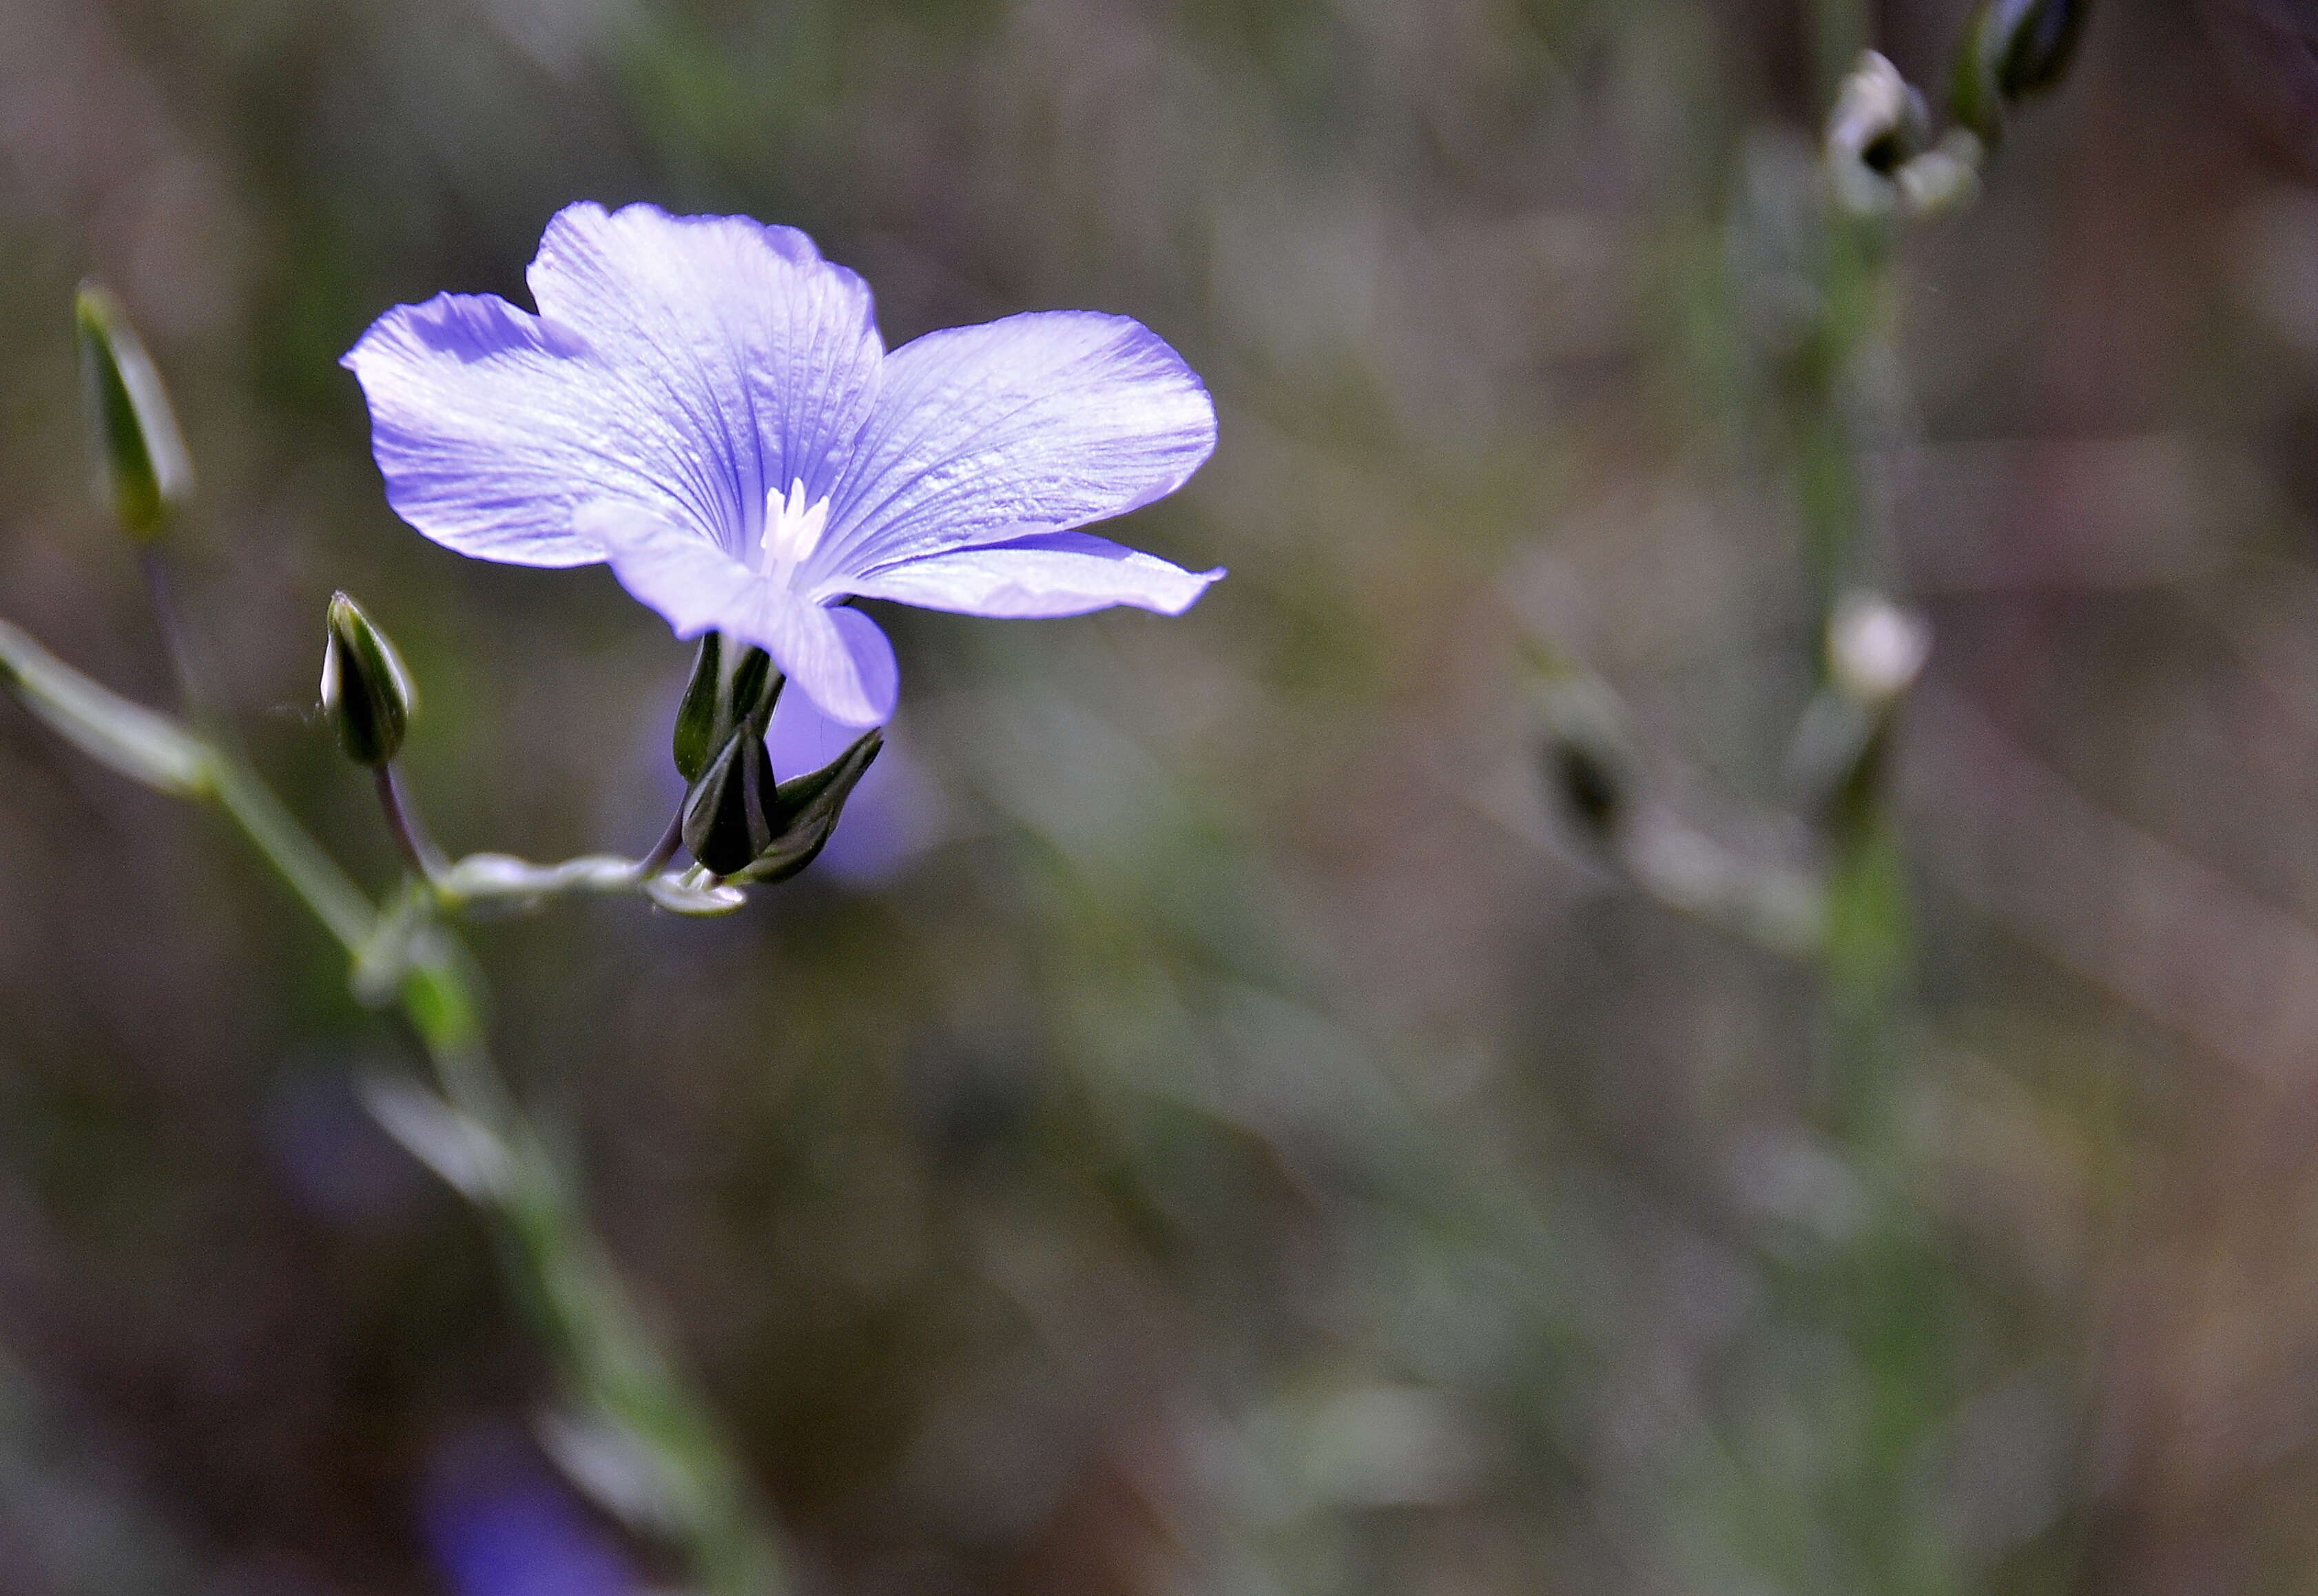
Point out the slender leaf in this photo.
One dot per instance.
(134, 741)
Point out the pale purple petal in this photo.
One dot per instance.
(689, 581)
(1037, 423)
(837, 656)
(488, 426)
(683, 370)
(1057, 573)
(766, 356)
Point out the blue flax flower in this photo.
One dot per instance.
(704, 404)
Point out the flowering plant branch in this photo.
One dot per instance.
(705, 403)
(1880, 166)
(1866, 1285)
(621, 1389)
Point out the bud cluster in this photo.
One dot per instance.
(739, 821)
(1880, 150)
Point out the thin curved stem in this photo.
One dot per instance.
(663, 851)
(161, 597)
(410, 839)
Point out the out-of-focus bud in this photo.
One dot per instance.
(2009, 52)
(1591, 785)
(1878, 125)
(1874, 649)
(804, 812)
(366, 691)
(1945, 177)
(716, 703)
(145, 472)
(1590, 767)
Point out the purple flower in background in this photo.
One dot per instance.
(705, 403)
(498, 1524)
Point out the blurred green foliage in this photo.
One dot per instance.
(1237, 1137)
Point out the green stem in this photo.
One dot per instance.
(402, 822)
(615, 1371)
(323, 887)
(663, 851)
(1840, 29)
(1878, 1290)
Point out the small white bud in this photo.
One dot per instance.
(1874, 649)
(1879, 124)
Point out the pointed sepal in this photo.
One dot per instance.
(724, 815)
(718, 701)
(697, 715)
(804, 810)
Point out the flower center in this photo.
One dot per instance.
(792, 532)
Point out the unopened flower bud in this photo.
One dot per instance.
(1879, 124)
(2010, 51)
(725, 824)
(1589, 759)
(144, 470)
(366, 691)
(1874, 649)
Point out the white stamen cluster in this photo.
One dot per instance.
(792, 530)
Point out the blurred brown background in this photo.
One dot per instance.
(1214, 1126)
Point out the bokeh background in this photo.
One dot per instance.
(1215, 1123)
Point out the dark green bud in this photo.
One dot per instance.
(2010, 51)
(1590, 765)
(716, 703)
(366, 690)
(804, 810)
(144, 470)
(725, 824)
(739, 823)
(1590, 786)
